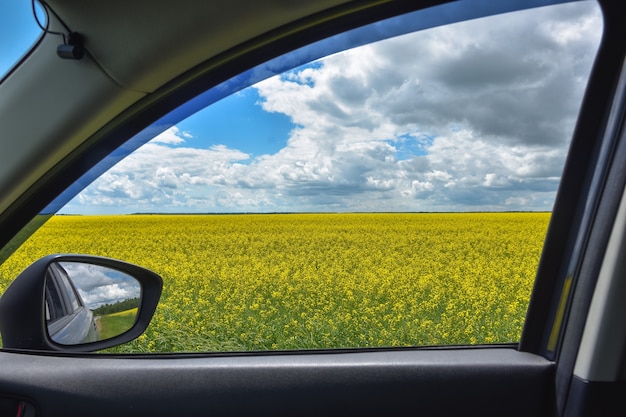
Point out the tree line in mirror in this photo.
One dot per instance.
(117, 307)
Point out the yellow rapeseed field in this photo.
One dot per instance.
(296, 281)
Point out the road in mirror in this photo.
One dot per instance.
(87, 303)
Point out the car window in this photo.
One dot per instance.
(18, 31)
(392, 194)
(63, 296)
(68, 290)
(54, 303)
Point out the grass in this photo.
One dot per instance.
(112, 325)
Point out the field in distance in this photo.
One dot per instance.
(309, 281)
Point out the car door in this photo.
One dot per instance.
(568, 362)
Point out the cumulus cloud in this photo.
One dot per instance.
(472, 116)
(173, 136)
(157, 176)
(491, 102)
(98, 285)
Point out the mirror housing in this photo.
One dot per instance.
(23, 323)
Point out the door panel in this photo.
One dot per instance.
(485, 382)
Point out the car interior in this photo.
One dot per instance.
(104, 74)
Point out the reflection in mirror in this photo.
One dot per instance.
(87, 303)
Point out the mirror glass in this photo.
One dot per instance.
(87, 303)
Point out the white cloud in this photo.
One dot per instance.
(98, 285)
(474, 116)
(158, 176)
(173, 136)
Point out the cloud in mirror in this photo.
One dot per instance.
(98, 285)
(472, 116)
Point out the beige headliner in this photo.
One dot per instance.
(167, 37)
(49, 106)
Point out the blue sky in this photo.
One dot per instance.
(18, 31)
(475, 116)
(225, 123)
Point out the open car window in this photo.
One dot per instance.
(392, 194)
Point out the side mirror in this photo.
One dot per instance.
(77, 303)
